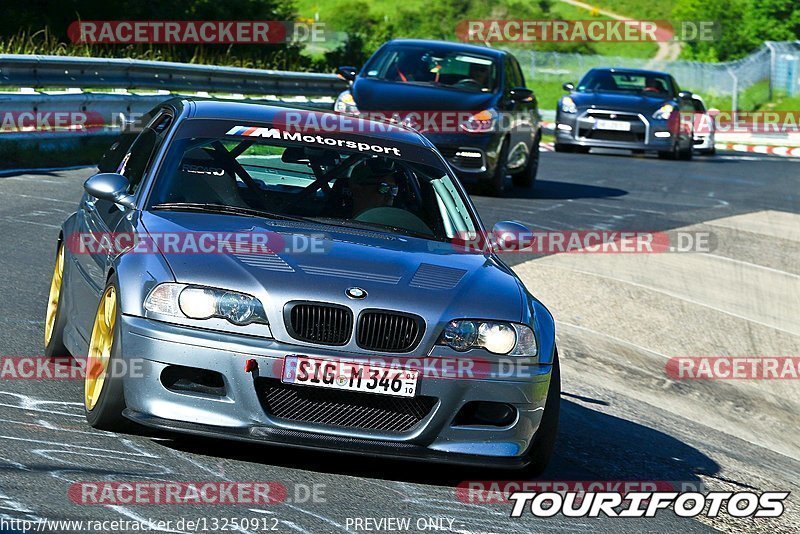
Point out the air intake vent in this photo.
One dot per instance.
(326, 324)
(342, 408)
(389, 332)
(436, 277)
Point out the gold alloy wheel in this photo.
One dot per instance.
(100, 347)
(55, 294)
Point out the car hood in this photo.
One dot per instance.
(620, 102)
(427, 278)
(380, 95)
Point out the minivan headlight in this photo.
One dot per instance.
(483, 121)
(345, 103)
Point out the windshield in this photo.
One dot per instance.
(626, 82)
(423, 65)
(283, 179)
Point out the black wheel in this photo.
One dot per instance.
(104, 398)
(561, 147)
(527, 177)
(685, 153)
(544, 442)
(669, 154)
(55, 321)
(497, 183)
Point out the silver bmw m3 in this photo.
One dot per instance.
(300, 278)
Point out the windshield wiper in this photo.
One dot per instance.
(224, 209)
(385, 228)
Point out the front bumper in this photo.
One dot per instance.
(239, 413)
(584, 129)
(472, 156)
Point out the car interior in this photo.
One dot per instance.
(310, 183)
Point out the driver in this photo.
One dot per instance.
(480, 73)
(654, 84)
(372, 185)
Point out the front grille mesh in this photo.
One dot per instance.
(388, 332)
(342, 408)
(319, 323)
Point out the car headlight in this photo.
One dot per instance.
(568, 105)
(663, 113)
(194, 302)
(496, 337)
(345, 103)
(482, 121)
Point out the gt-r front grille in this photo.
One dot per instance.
(342, 408)
(389, 332)
(325, 324)
(610, 135)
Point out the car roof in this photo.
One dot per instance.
(643, 72)
(451, 46)
(200, 108)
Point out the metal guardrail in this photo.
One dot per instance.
(17, 70)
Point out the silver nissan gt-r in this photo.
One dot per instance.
(300, 278)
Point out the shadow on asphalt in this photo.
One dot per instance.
(591, 446)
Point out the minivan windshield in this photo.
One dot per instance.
(429, 66)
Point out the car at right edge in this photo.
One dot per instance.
(631, 109)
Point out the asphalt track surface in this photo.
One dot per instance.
(619, 318)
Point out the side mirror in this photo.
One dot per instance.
(521, 94)
(110, 186)
(348, 73)
(510, 236)
(568, 87)
(685, 95)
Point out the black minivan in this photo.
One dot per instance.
(470, 101)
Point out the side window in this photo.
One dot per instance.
(518, 70)
(675, 86)
(698, 106)
(135, 162)
(513, 76)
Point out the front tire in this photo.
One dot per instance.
(104, 397)
(527, 178)
(55, 321)
(497, 183)
(544, 442)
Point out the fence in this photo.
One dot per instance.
(775, 63)
(63, 71)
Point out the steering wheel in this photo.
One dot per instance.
(468, 82)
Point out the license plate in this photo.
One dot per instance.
(620, 126)
(350, 376)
